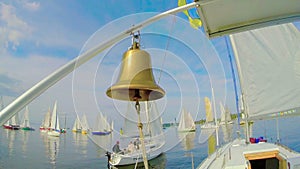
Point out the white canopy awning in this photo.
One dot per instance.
(221, 17)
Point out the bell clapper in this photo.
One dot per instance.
(140, 126)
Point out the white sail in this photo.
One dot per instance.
(269, 61)
(102, 123)
(47, 119)
(208, 110)
(130, 123)
(84, 123)
(186, 122)
(154, 120)
(181, 124)
(55, 128)
(54, 119)
(152, 125)
(225, 115)
(77, 125)
(107, 125)
(112, 125)
(209, 122)
(209, 127)
(25, 122)
(15, 120)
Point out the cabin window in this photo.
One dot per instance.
(269, 163)
(266, 160)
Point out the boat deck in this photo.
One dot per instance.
(238, 155)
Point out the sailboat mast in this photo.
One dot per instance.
(215, 114)
(65, 121)
(234, 82)
(55, 122)
(245, 108)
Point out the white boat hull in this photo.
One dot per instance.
(209, 126)
(54, 133)
(134, 157)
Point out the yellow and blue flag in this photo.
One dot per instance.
(192, 15)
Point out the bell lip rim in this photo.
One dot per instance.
(158, 90)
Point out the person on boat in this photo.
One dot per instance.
(116, 147)
(130, 147)
(121, 131)
(137, 143)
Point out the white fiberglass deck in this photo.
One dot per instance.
(236, 155)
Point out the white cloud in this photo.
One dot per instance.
(13, 29)
(31, 6)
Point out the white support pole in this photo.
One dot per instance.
(215, 114)
(63, 71)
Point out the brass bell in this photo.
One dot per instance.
(135, 81)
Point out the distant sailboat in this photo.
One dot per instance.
(209, 123)
(45, 126)
(26, 124)
(15, 122)
(12, 123)
(225, 115)
(54, 127)
(209, 127)
(84, 125)
(7, 124)
(186, 123)
(102, 126)
(77, 125)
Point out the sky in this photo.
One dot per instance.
(38, 37)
